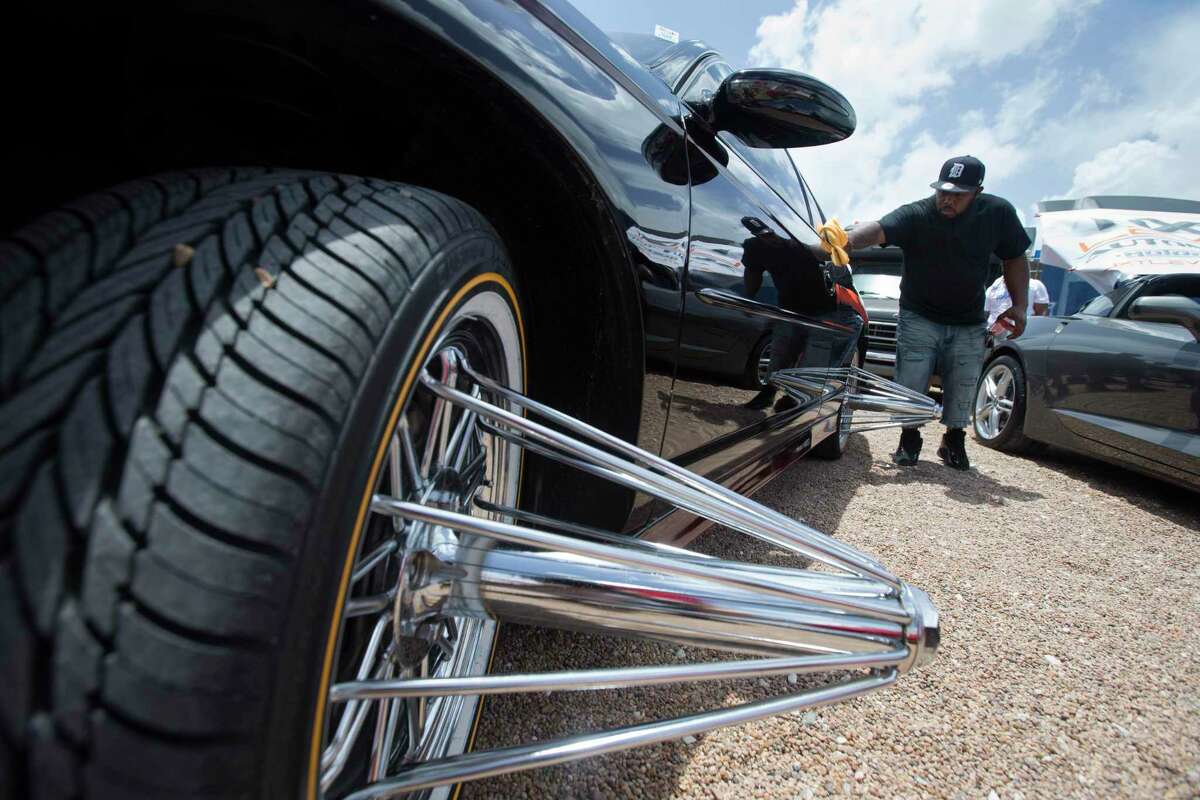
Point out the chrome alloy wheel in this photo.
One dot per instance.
(439, 457)
(994, 401)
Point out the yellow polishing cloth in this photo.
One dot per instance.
(834, 241)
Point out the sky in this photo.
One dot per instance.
(1058, 98)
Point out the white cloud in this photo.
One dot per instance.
(1140, 141)
(894, 61)
(1139, 167)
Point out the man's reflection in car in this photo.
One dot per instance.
(802, 288)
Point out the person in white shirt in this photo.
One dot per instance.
(997, 300)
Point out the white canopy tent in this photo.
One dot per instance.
(1105, 239)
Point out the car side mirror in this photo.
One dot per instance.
(781, 108)
(1173, 308)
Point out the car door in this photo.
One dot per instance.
(1130, 388)
(744, 215)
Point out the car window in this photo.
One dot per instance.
(1185, 285)
(808, 192)
(773, 165)
(1100, 306)
(776, 169)
(706, 79)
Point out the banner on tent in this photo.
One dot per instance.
(1103, 245)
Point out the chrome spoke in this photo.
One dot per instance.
(872, 402)
(587, 680)
(692, 493)
(365, 606)
(437, 436)
(465, 438)
(629, 557)
(1003, 383)
(381, 747)
(474, 766)
(341, 748)
(396, 473)
(355, 713)
(364, 567)
(410, 456)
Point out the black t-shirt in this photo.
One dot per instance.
(946, 260)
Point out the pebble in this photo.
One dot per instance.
(996, 708)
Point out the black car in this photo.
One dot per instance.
(279, 445)
(1119, 380)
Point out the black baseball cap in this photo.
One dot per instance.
(960, 174)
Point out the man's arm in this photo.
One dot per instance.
(753, 280)
(868, 234)
(1016, 278)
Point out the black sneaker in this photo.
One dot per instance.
(954, 449)
(910, 447)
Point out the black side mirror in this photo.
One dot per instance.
(781, 108)
(1174, 308)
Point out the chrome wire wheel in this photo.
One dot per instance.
(994, 401)
(436, 456)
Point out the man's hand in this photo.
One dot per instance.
(1016, 279)
(1016, 318)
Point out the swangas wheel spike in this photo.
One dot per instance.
(499, 563)
(873, 402)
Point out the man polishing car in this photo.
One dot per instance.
(947, 239)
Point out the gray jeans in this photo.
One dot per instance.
(956, 351)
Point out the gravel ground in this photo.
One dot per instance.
(1069, 595)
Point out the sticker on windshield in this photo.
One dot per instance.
(666, 33)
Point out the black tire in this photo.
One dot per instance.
(191, 369)
(833, 447)
(1011, 437)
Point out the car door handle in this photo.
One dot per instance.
(724, 299)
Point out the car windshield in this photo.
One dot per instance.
(876, 284)
(1099, 306)
(645, 48)
(1102, 306)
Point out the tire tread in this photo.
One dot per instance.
(141, 395)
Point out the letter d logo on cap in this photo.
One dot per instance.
(956, 170)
